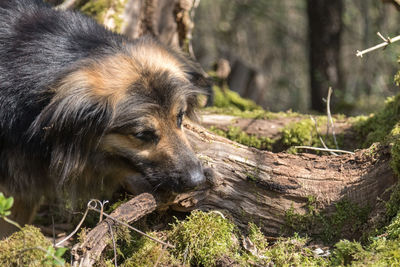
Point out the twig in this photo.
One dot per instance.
(159, 256)
(114, 245)
(387, 41)
(53, 230)
(325, 149)
(76, 228)
(320, 138)
(328, 111)
(87, 252)
(132, 228)
(102, 209)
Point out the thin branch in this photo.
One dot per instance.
(159, 256)
(320, 138)
(387, 41)
(131, 227)
(328, 111)
(114, 245)
(324, 149)
(75, 230)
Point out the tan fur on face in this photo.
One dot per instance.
(153, 58)
(108, 80)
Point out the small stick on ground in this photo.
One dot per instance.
(324, 149)
(88, 252)
(320, 138)
(328, 111)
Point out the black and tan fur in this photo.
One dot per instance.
(83, 109)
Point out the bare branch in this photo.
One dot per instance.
(324, 149)
(320, 138)
(387, 41)
(328, 111)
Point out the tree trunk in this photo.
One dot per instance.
(168, 20)
(259, 186)
(325, 27)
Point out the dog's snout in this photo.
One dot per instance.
(196, 178)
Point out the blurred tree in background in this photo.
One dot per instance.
(267, 45)
(324, 35)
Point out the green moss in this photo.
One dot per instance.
(345, 220)
(293, 252)
(381, 252)
(225, 98)
(147, 253)
(98, 9)
(231, 103)
(257, 237)
(22, 248)
(393, 230)
(237, 135)
(260, 114)
(393, 205)
(378, 127)
(304, 133)
(203, 238)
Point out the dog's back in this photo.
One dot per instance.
(37, 46)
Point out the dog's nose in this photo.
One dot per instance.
(196, 178)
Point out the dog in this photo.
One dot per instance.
(84, 109)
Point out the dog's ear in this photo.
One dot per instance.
(200, 79)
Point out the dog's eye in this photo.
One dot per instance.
(180, 118)
(147, 136)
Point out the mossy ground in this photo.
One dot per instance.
(206, 239)
(241, 137)
(303, 132)
(346, 220)
(28, 247)
(306, 132)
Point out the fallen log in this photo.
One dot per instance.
(260, 186)
(88, 252)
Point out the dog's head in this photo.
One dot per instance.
(120, 116)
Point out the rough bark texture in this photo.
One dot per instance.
(169, 20)
(257, 186)
(325, 27)
(89, 251)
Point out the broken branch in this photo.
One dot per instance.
(387, 41)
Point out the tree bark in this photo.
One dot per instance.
(168, 20)
(324, 31)
(260, 186)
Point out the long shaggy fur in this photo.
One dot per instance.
(66, 83)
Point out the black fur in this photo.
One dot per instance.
(47, 139)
